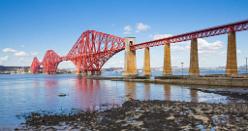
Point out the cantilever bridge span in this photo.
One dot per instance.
(92, 50)
(89, 53)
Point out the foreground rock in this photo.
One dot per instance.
(147, 115)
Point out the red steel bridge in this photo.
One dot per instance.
(93, 49)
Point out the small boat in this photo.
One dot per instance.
(61, 94)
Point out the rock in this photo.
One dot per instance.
(60, 127)
(230, 125)
(146, 115)
(61, 94)
(219, 119)
(170, 118)
(137, 123)
(198, 110)
(50, 129)
(202, 118)
(246, 117)
(137, 116)
(186, 128)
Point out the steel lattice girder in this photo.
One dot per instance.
(50, 62)
(35, 66)
(93, 49)
(213, 31)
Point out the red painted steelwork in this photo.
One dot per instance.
(50, 62)
(218, 30)
(35, 66)
(93, 49)
(89, 53)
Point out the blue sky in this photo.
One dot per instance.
(29, 27)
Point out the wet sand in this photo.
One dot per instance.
(146, 115)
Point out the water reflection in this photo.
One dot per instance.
(130, 90)
(26, 93)
(51, 82)
(90, 94)
(167, 92)
(194, 95)
(87, 90)
(147, 92)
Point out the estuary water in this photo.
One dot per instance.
(20, 94)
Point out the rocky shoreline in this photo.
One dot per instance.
(146, 115)
(241, 94)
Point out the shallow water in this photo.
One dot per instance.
(20, 94)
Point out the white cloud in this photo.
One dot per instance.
(127, 29)
(7, 50)
(17, 52)
(178, 47)
(204, 47)
(160, 36)
(225, 53)
(33, 53)
(21, 59)
(141, 27)
(21, 54)
(17, 57)
(209, 47)
(3, 59)
(239, 51)
(174, 47)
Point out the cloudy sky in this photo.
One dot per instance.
(30, 27)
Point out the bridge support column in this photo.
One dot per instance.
(231, 64)
(194, 64)
(89, 73)
(167, 60)
(97, 72)
(130, 58)
(78, 66)
(78, 63)
(147, 68)
(84, 73)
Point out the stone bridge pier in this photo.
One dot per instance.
(194, 63)
(231, 63)
(147, 68)
(167, 60)
(130, 69)
(194, 70)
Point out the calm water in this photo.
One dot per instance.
(21, 94)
